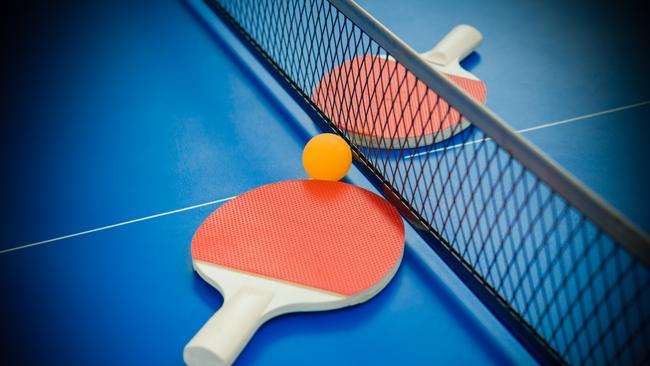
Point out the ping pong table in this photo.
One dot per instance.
(126, 123)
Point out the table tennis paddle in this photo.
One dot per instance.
(301, 245)
(378, 103)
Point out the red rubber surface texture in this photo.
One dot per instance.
(377, 97)
(327, 235)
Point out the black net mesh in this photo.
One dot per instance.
(583, 297)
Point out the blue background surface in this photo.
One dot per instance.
(117, 111)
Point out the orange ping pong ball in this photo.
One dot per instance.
(327, 157)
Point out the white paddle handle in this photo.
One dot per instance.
(455, 46)
(226, 333)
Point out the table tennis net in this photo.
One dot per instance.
(569, 288)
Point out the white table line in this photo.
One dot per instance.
(539, 127)
(534, 128)
(30, 245)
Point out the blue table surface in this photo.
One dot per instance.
(117, 112)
